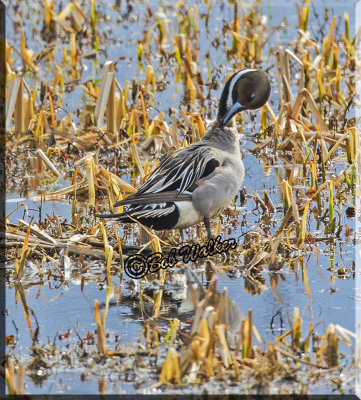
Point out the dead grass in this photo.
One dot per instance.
(119, 130)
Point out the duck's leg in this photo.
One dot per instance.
(182, 235)
(208, 227)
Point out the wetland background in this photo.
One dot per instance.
(76, 323)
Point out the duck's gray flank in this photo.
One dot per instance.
(198, 182)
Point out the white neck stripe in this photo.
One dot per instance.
(233, 82)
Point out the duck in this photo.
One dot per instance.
(196, 183)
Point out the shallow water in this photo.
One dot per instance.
(61, 305)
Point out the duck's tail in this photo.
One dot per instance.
(121, 217)
(158, 216)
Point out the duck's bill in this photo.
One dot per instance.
(236, 108)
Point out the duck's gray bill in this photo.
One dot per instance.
(236, 108)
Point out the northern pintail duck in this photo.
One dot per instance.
(196, 183)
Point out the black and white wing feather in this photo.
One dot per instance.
(174, 177)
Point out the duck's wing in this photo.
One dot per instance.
(176, 174)
(181, 169)
(152, 198)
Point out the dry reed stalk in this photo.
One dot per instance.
(51, 107)
(10, 376)
(150, 77)
(193, 80)
(289, 54)
(302, 228)
(305, 94)
(48, 13)
(101, 342)
(327, 136)
(158, 300)
(245, 335)
(108, 249)
(136, 158)
(28, 64)
(81, 188)
(145, 118)
(284, 222)
(27, 54)
(24, 253)
(78, 18)
(65, 12)
(106, 98)
(332, 224)
(268, 202)
(73, 53)
(187, 122)
(173, 133)
(41, 154)
(203, 339)
(260, 201)
(249, 333)
(296, 328)
(102, 385)
(11, 98)
(37, 232)
(18, 104)
(286, 195)
(119, 181)
(28, 106)
(20, 291)
(220, 330)
(297, 358)
(113, 192)
(111, 106)
(329, 342)
(67, 28)
(20, 378)
(335, 146)
(171, 368)
(285, 74)
(89, 167)
(278, 76)
(305, 281)
(256, 334)
(269, 110)
(74, 202)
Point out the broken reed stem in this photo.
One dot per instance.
(302, 230)
(24, 253)
(20, 109)
(137, 159)
(304, 94)
(111, 103)
(41, 154)
(10, 376)
(296, 328)
(101, 342)
(89, 165)
(171, 368)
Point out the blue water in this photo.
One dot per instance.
(63, 308)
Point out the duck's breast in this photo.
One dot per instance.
(215, 192)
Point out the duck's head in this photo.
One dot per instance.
(247, 89)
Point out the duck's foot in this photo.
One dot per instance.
(207, 223)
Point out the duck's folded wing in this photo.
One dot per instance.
(181, 169)
(154, 198)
